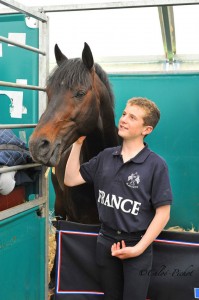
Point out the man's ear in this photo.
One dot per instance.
(147, 130)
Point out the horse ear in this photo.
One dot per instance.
(60, 57)
(87, 56)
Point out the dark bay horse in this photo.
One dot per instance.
(80, 102)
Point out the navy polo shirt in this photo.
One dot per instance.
(127, 194)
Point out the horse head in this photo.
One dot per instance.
(74, 91)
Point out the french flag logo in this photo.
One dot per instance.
(196, 293)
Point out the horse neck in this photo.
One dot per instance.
(103, 136)
(107, 120)
(106, 117)
(93, 144)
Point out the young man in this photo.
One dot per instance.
(133, 195)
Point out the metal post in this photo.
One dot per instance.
(168, 31)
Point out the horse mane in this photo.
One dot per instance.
(72, 72)
(104, 78)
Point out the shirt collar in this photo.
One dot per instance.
(139, 158)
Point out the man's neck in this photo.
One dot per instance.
(131, 148)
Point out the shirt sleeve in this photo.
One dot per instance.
(89, 169)
(161, 187)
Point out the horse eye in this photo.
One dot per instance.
(80, 94)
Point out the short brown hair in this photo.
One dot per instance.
(152, 112)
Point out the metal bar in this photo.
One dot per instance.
(172, 29)
(22, 86)
(6, 40)
(168, 31)
(19, 167)
(45, 192)
(24, 9)
(105, 5)
(21, 208)
(6, 126)
(116, 5)
(162, 30)
(43, 65)
(43, 74)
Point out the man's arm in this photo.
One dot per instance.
(157, 225)
(72, 175)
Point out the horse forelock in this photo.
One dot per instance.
(69, 74)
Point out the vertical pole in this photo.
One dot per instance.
(43, 74)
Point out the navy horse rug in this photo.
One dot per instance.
(174, 275)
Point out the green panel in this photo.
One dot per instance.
(22, 257)
(175, 137)
(17, 63)
(51, 196)
(22, 237)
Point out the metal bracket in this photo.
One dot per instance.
(31, 22)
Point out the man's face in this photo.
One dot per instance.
(131, 124)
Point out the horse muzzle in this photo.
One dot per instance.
(44, 151)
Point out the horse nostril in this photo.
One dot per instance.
(43, 146)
